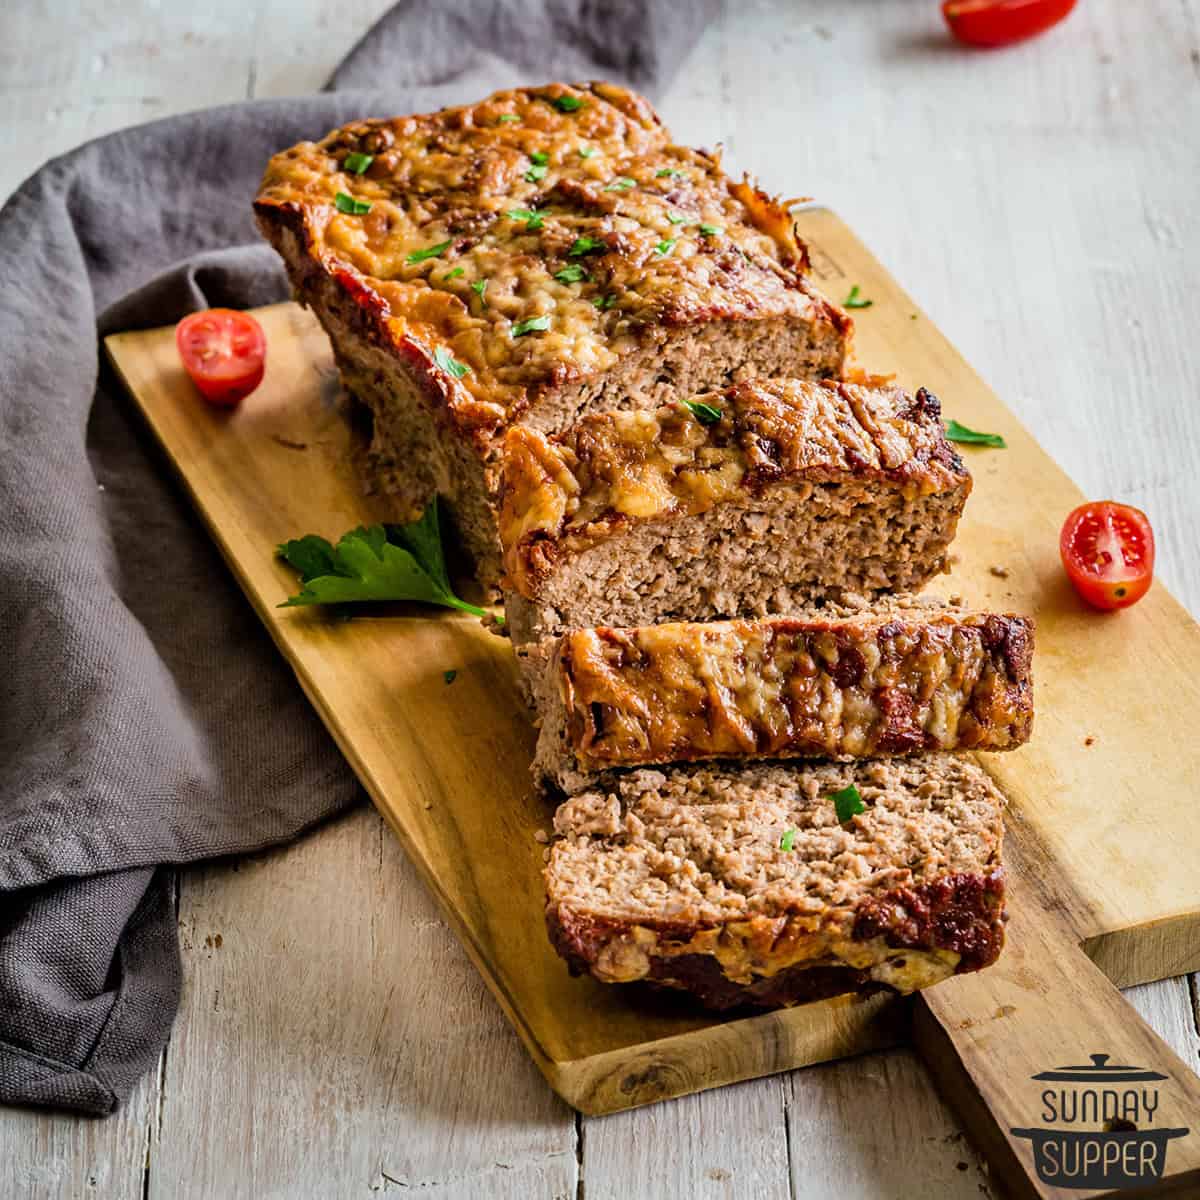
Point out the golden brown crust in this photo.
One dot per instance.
(680, 245)
(794, 688)
(561, 495)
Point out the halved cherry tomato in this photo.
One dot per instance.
(1000, 22)
(223, 351)
(1108, 552)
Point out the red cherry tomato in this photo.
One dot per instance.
(223, 351)
(1000, 22)
(1108, 552)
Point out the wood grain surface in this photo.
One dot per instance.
(1052, 235)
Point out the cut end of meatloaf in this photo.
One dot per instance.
(755, 500)
(680, 877)
(894, 680)
(474, 270)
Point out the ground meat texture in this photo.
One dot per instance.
(798, 492)
(892, 680)
(477, 225)
(678, 877)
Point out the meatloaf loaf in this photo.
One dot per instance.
(747, 502)
(521, 260)
(891, 680)
(741, 885)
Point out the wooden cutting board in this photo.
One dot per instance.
(1099, 855)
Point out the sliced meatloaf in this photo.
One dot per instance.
(524, 259)
(887, 681)
(746, 502)
(742, 886)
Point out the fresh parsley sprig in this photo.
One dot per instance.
(418, 256)
(356, 162)
(704, 413)
(848, 803)
(533, 325)
(374, 563)
(348, 204)
(856, 300)
(971, 437)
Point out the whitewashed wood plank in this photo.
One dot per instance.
(54, 1156)
(1168, 1007)
(334, 1039)
(728, 1142)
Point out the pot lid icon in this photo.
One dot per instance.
(1099, 1070)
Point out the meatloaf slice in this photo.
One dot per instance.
(740, 884)
(888, 681)
(751, 501)
(524, 259)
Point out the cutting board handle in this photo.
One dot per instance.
(1042, 1007)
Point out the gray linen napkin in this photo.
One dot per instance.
(145, 718)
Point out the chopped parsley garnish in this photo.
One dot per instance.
(449, 363)
(567, 104)
(533, 220)
(620, 185)
(847, 803)
(604, 303)
(449, 676)
(711, 230)
(506, 118)
(960, 433)
(348, 204)
(356, 162)
(854, 300)
(536, 172)
(585, 245)
(429, 252)
(393, 562)
(533, 325)
(665, 246)
(788, 840)
(671, 172)
(675, 218)
(540, 157)
(479, 287)
(587, 151)
(704, 413)
(571, 273)
(454, 274)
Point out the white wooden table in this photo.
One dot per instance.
(1041, 204)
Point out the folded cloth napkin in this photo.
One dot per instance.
(145, 718)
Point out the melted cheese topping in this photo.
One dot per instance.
(568, 207)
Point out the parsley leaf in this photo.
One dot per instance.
(571, 273)
(854, 300)
(665, 246)
(533, 325)
(449, 363)
(603, 303)
(675, 218)
(711, 230)
(960, 433)
(848, 803)
(585, 245)
(535, 173)
(505, 118)
(540, 157)
(567, 104)
(454, 274)
(671, 172)
(704, 413)
(620, 185)
(788, 840)
(429, 252)
(397, 562)
(532, 219)
(587, 151)
(356, 162)
(348, 204)
(479, 287)
(449, 676)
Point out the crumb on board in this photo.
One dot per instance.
(290, 443)
(999, 572)
(957, 601)
(541, 836)
(952, 559)
(1089, 740)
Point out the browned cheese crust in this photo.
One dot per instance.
(740, 885)
(887, 683)
(616, 470)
